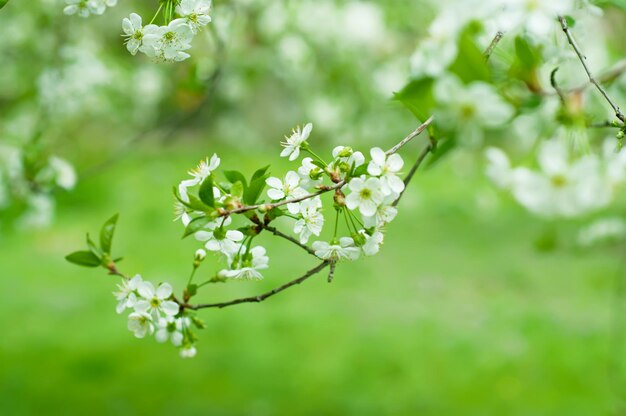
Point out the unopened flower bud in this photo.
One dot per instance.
(315, 173)
(344, 167)
(359, 239)
(345, 152)
(620, 135)
(339, 198)
(200, 254)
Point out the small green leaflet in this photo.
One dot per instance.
(106, 234)
(84, 258)
(206, 192)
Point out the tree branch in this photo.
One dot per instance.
(583, 61)
(410, 137)
(259, 298)
(262, 297)
(278, 233)
(422, 156)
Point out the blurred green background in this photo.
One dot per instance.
(473, 307)
(459, 313)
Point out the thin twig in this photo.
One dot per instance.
(583, 61)
(278, 233)
(323, 190)
(410, 137)
(262, 297)
(494, 42)
(259, 298)
(429, 148)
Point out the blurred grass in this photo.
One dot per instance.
(458, 314)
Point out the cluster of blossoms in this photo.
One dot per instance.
(154, 312)
(364, 192)
(563, 185)
(84, 8)
(167, 43)
(27, 184)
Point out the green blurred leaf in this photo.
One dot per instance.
(235, 176)
(3, 3)
(418, 98)
(470, 64)
(620, 4)
(92, 246)
(528, 57)
(84, 258)
(361, 170)
(106, 234)
(274, 213)
(196, 225)
(206, 192)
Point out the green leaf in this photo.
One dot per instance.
(418, 98)
(237, 189)
(195, 225)
(3, 3)
(84, 258)
(259, 173)
(92, 247)
(527, 56)
(252, 194)
(470, 64)
(361, 170)
(318, 164)
(194, 203)
(571, 22)
(106, 234)
(235, 176)
(206, 192)
(274, 213)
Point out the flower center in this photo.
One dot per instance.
(365, 193)
(559, 181)
(155, 302)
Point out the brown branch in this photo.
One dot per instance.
(410, 137)
(583, 61)
(422, 156)
(259, 298)
(262, 297)
(323, 190)
(278, 233)
(494, 42)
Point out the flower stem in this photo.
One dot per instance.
(156, 14)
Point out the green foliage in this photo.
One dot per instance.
(97, 256)
(235, 176)
(470, 64)
(418, 97)
(257, 184)
(84, 258)
(206, 192)
(195, 225)
(106, 234)
(3, 3)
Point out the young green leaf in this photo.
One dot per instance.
(259, 173)
(237, 189)
(196, 225)
(106, 234)
(84, 258)
(252, 194)
(235, 176)
(92, 247)
(193, 203)
(418, 98)
(470, 62)
(206, 192)
(3, 3)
